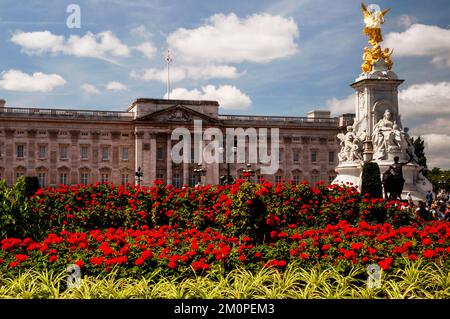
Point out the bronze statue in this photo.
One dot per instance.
(393, 180)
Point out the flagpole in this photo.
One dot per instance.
(168, 59)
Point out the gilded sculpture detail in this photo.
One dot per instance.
(373, 19)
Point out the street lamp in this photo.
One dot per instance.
(248, 172)
(229, 178)
(199, 171)
(139, 175)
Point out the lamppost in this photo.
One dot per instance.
(199, 171)
(229, 178)
(139, 175)
(442, 183)
(248, 172)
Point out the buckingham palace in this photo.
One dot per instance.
(69, 147)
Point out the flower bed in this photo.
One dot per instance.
(137, 230)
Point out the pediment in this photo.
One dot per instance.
(178, 114)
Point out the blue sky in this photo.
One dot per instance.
(294, 56)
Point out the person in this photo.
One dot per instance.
(422, 211)
(433, 212)
(441, 212)
(409, 198)
(429, 198)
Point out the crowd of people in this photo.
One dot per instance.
(431, 208)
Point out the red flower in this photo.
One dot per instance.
(427, 242)
(21, 257)
(304, 256)
(96, 261)
(385, 263)
(412, 257)
(242, 258)
(13, 264)
(429, 253)
(326, 247)
(79, 263)
(53, 259)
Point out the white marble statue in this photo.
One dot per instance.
(350, 146)
(386, 136)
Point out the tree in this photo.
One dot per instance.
(436, 176)
(371, 180)
(419, 150)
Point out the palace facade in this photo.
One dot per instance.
(85, 146)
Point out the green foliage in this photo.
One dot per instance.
(419, 150)
(371, 180)
(436, 176)
(16, 218)
(414, 280)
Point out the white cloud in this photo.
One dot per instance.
(141, 32)
(257, 38)
(103, 45)
(16, 80)
(38, 42)
(405, 20)
(424, 100)
(178, 74)
(346, 105)
(437, 150)
(147, 49)
(422, 40)
(229, 97)
(90, 89)
(116, 86)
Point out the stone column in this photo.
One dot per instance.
(53, 148)
(169, 159)
(186, 173)
(31, 153)
(152, 175)
(116, 157)
(74, 156)
(9, 156)
(138, 151)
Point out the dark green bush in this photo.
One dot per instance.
(371, 180)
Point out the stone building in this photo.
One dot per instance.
(85, 146)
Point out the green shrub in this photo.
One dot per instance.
(371, 180)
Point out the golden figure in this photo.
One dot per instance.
(387, 58)
(373, 19)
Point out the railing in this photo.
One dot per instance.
(64, 114)
(281, 119)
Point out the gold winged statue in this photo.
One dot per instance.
(373, 19)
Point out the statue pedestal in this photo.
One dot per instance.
(349, 174)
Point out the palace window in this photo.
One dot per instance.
(125, 153)
(296, 179)
(105, 178)
(63, 152)
(331, 178)
(176, 181)
(159, 154)
(313, 156)
(20, 151)
(296, 156)
(105, 153)
(331, 157)
(42, 151)
(63, 178)
(314, 179)
(160, 176)
(84, 178)
(277, 178)
(84, 152)
(41, 178)
(124, 179)
(192, 180)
